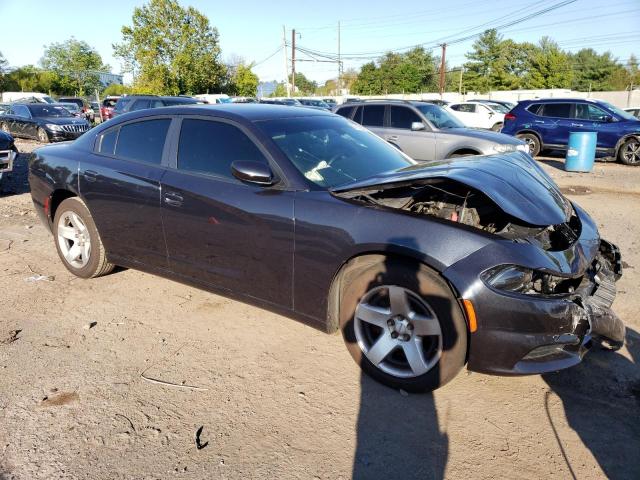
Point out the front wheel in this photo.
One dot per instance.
(402, 324)
(43, 136)
(78, 241)
(532, 141)
(629, 152)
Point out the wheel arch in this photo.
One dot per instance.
(58, 196)
(369, 258)
(463, 151)
(624, 139)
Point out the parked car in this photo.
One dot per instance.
(43, 122)
(72, 108)
(425, 131)
(314, 102)
(635, 111)
(243, 100)
(504, 103)
(330, 101)
(83, 105)
(478, 115)
(214, 98)
(423, 266)
(545, 124)
(131, 103)
(108, 104)
(26, 97)
(4, 107)
(8, 153)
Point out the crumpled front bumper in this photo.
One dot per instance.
(521, 334)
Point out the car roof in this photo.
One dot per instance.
(561, 100)
(234, 111)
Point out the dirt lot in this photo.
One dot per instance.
(275, 398)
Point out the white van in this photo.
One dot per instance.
(17, 96)
(213, 97)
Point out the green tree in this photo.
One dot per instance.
(244, 81)
(599, 72)
(171, 50)
(549, 66)
(115, 89)
(4, 64)
(304, 86)
(280, 90)
(76, 64)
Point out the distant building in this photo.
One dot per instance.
(107, 79)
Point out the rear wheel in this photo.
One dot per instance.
(532, 141)
(629, 152)
(402, 324)
(78, 241)
(43, 136)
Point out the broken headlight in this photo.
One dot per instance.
(517, 279)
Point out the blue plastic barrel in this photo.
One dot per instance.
(581, 151)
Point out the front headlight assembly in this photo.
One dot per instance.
(53, 127)
(517, 279)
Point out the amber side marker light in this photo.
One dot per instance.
(471, 315)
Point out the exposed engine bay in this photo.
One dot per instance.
(456, 202)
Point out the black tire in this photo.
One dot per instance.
(629, 152)
(533, 141)
(497, 127)
(43, 136)
(97, 264)
(366, 274)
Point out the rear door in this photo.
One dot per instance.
(372, 117)
(233, 235)
(558, 123)
(120, 182)
(419, 145)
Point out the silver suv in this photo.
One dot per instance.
(425, 131)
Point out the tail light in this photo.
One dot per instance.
(509, 116)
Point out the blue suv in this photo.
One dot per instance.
(545, 124)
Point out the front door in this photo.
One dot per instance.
(120, 181)
(420, 144)
(232, 235)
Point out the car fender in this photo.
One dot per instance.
(624, 138)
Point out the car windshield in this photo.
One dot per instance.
(331, 151)
(439, 117)
(43, 110)
(619, 111)
(72, 107)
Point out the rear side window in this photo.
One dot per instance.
(107, 142)
(557, 110)
(464, 107)
(345, 111)
(143, 141)
(211, 147)
(403, 117)
(373, 115)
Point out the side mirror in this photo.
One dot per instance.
(252, 172)
(417, 126)
(608, 118)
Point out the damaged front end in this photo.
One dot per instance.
(543, 291)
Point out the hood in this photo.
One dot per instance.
(481, 134)
(514, 181)
(63, 120)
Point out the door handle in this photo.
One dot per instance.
(577, 125)
(90, 175)
(393, 137)
(173, 199)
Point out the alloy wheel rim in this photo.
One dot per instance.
(398, 331)
(74, 239)
(631, 152)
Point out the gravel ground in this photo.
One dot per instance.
(79, 362)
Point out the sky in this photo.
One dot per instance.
(253, 29)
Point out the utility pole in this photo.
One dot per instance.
(629, 94)
(339, 62)
(460, 86)
(293, 61)
(442, 63)
(286, 62)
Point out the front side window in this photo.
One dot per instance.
(439, 117)
(556, 110)
(586, 111)
(403, 117)
(211, 147)
(373, 115)
(143, 141)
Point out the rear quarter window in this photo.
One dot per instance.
(534, 108)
